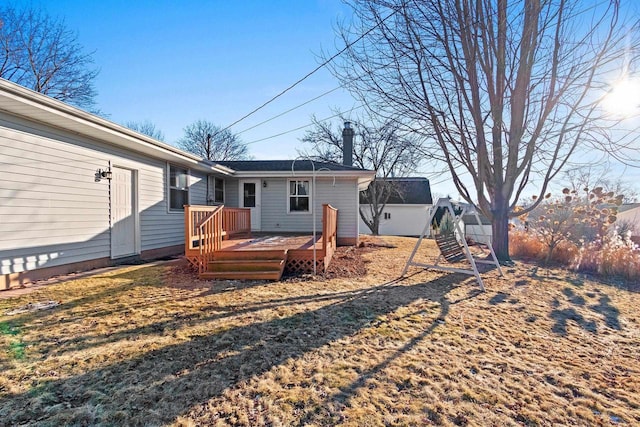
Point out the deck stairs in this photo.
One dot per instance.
(246, 265)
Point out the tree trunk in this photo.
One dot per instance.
(500, 232)
(375, 225)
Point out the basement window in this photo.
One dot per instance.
(299, 199)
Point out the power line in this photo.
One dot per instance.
(301, 127)
(309, 74)
(289, 110)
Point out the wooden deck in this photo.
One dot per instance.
(221, 253)
(260, 242)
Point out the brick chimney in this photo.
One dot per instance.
(347, 144)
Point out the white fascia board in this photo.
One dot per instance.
(364, 181)
(23, 102)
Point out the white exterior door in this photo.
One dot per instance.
(123, 213)
(250, 198)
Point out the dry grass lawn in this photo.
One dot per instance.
(154, 346)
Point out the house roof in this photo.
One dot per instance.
(628, 207)
(22, 102)
(411, 191)
(286, 166)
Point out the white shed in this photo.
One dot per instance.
(407, 210)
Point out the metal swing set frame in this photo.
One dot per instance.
(453, 247)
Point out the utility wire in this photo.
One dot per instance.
(309, 74)
(289, 110)
(301, 127)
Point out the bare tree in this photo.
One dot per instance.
(147, 128)
(592, 176)
(209, 141)
(508, 91)
(380, 147)
(42, 54)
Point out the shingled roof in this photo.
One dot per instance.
(411, 191)
(284, 166)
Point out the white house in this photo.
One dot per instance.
(407, 210)
(630, 214)
(78, 191)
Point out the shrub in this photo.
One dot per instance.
(565, 222)
(613, 255)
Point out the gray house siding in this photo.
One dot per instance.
(231, 194)
(52, 212)
(274, 199)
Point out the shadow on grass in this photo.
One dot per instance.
(563, 316)
(609, 311)
(604, 308)
(160, 385)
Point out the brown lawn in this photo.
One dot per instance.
(154, 346)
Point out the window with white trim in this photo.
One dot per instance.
(178, 188)
(299, 199)
(216, 190)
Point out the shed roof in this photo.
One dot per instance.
(628, 207)
(411, 191)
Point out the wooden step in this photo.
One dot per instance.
(242, 275)
(262, 255)
(245, 265)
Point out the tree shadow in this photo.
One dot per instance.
(167, 382)
(573, 297)
(563, 316)
(498, 298)
(610, 312)
(341, 398)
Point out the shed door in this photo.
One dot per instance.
(123, 213)
(250, 198)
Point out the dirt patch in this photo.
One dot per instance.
(346, 262)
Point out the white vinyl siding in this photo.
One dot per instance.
(231, 193)
(341, 195)
(197, 188)
(402, 220)
(52, 212)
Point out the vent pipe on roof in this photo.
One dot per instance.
(347, 144)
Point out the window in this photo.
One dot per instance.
(249, 195)
(216, 190)
(299, 196)
(387, 215)
(178, 188)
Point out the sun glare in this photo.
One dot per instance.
(624, 98)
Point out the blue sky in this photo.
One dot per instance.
(173, 62)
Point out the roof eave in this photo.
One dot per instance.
(23, 102)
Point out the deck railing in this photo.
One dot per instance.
(236, 221)
(329, 232)
(210, 238)
(206, 226)
(202, 232)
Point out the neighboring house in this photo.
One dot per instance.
(630, 214)
(478, 232)
(407, 210)
(78, 191)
